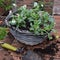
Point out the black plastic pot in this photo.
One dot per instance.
(24, 36)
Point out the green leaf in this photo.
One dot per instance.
(49, 36)
(13, 22)
(3, 33)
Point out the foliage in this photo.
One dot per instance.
(36, 21)
(6, 4)
(39, 6)
(3, 33)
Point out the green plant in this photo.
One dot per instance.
(39, 6)
(36, 21)
(5, 4)
(3, 33)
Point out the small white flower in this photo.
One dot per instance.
(13, 22)
(35, 4)
(14, 5)
(42, 5)
(17, 14)
(24, 6)
(10, 11)
(54, 23)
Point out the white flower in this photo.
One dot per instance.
(13, 22)
(17, 15)
(42, 5)
(35, 4)
(10, 11)
(14, 5)
(54, 23)
(24, 6)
